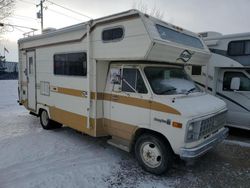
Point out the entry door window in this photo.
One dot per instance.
(244, 81)
(31, 65)
(132, 81)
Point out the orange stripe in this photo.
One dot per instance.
(98, 127)
(141, 103)
(164, 108)
(73, 120)
(68, 91)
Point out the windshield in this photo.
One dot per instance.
(169, 81)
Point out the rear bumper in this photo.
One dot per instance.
(192, 153)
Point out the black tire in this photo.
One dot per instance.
(153, 154)
(47, 123)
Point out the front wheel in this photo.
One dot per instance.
(154, 155)
(48, 123)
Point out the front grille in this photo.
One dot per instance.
(212, 124)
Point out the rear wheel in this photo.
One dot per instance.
(154, 155)
(48, 123)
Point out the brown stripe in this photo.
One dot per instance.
(100, 96)
(68, 91)
(93, 95)
(91, 29)
(119, 129)
(164, 108)
(75, 121)
(98, 127)
(74, 92)
(142, 103)
(130, 101)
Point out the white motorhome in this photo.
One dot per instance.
(123, 76)
(228, 74)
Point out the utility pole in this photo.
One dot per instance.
(40, 13)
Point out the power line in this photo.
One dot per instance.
(49, 9)
(71, 10)
(20, 29)
(12, 25)
(28, 2)
(26, 17)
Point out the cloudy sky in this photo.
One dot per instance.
(225, 16)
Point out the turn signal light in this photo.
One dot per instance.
(177, 125)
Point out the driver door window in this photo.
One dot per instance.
(132, 81)
(244, 81)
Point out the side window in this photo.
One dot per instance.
(71, 64)
(196, 70)
(31, 68)
(238, 48)
(132, 81)
(247, 47)
(109, 35)
(244, 81)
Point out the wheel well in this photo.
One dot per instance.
(142, 131)
(40, 111)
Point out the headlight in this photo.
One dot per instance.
(193, 130)
(191, 127)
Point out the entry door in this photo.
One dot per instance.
(130, 106)
(31, 78)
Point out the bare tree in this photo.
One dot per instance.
(143, 7)
(6, 10)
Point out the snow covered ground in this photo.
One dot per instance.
(33, 157)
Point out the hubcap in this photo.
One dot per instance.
(150, 154)
(45, 118)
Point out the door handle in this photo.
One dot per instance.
(115, 97)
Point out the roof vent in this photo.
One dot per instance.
(48, 30)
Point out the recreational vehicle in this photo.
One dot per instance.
(122, 76)
(227, 74)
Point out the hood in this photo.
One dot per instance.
(196, 105)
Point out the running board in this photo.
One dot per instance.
(120, 143)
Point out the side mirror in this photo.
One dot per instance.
(235, 83)
(115, 80)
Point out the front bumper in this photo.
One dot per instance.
(191, 153)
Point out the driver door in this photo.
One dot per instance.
(237, 101)
(130, 106)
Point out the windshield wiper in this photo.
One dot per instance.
(189, 91)
(167, 90)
